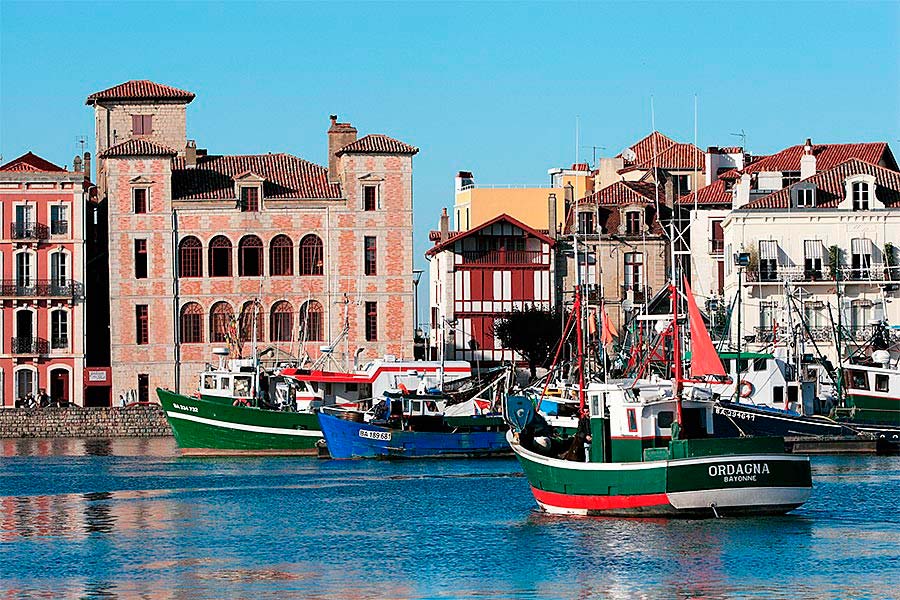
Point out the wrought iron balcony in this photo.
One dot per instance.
(764, 334)
(28, 230)
(41, 288)
(29, 345)
(59, 342)
(502, 257)
(638, 293)
(59, 227)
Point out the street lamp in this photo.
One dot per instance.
(417, 275)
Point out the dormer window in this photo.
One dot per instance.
(805, 198)
(860, 195)
(586, 224)
(633, 223)
(789, 178)
(249, 199)
(141, 124)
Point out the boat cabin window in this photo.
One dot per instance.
(777, 394)
(743, 363)
(242, 386)
(431, 406)
(595, 405)
(793, 393)
(664, 419)
(759, 364)
(632, 420)
(365, 390)
(858, 380)
(351, 387)
(881, 383)
(224, 383)
(209, 382)
(416, 406)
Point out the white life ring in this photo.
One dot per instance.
(746, 388)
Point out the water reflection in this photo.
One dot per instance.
(155, 446)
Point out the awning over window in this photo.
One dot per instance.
(768, 250)
(812, 249)
(861, 246)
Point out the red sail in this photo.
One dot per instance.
(704, 359)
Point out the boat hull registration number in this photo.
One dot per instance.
(384, 436)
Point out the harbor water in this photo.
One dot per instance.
(131, 519)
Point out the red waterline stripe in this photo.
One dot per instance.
(587, 502)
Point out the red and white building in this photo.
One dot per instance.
(207, 247)
(42, 262)
(479, 274)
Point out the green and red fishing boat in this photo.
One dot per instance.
(646, 447)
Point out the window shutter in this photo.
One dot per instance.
(137, 125)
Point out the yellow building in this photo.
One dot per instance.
(476, 205)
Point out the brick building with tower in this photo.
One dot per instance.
(211, 250)
(42, 266)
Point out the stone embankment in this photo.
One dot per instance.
(74, 421)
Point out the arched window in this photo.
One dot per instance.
(281, 322)
(311, 321)
(281, 256)
(190, 263)
(311, 255)
(220, 322)
(191, 323)
(220, 257)
(246, 322)
(250, 256)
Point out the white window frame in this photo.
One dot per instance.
(50, 332)
(35, 380)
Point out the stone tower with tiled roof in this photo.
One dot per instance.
(195, 238)
(138, 110)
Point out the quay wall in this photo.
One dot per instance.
(76, 421)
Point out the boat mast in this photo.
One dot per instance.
(676, 355)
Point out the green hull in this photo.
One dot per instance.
(879, 410)
(203, 427)
(696, 483)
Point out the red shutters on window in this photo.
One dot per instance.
(371, 256)
(372, 321)
(142, 324)
(141, 124)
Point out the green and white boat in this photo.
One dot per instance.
(240, 408)
(646, 448)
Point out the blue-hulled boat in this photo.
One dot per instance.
(407, 425)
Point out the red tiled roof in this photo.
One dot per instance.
(137, 147)
(32, 163)
(625, 192)
(376, 143)
(644, 149)
(286, 176)
(830, 186)
(716, 193)
(456, 236)
(580, 167)
(827, 156)
(677, 156)
(140, 89)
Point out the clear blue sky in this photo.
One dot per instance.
(492, 88)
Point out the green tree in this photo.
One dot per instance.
(531, 333)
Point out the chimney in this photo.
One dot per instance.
(740, 193)
(87, 165)
(551, 214)
(190, 154)
(445, 225)
(568, 197)
(807, 161)
(339, 135)
(668, 190)
(76, 164)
